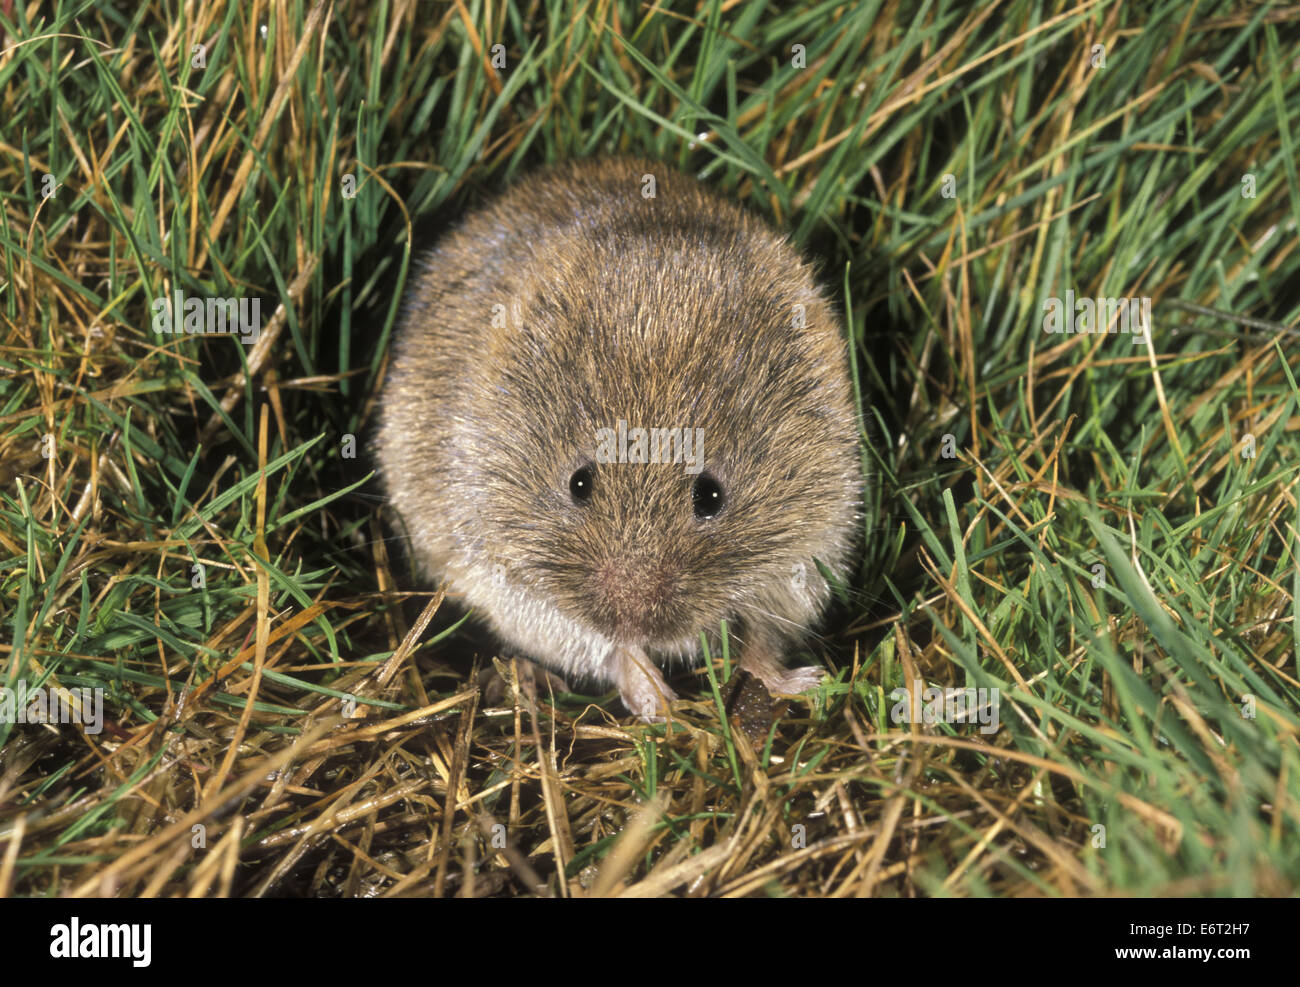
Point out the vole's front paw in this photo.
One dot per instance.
(794, 681)
(649, 707)
(763, 661)
(534, 681)
(642, 688)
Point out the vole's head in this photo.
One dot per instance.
(635, 349)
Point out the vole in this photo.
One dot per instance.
(618, 410)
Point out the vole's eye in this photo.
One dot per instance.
(581, 484)
(707, 496)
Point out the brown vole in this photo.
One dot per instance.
(557, 352)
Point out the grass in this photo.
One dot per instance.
(1104, 532)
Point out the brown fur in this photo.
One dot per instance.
(675, 311)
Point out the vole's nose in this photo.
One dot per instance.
(634, 598)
